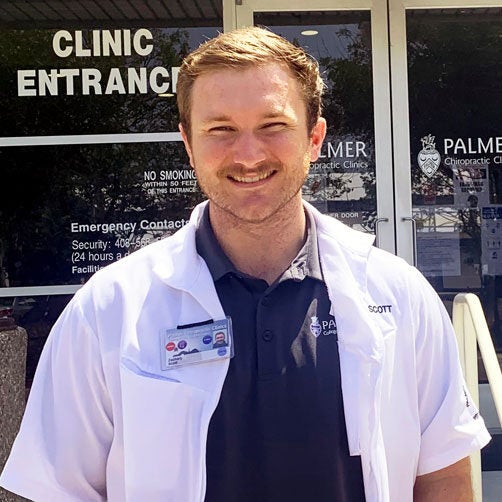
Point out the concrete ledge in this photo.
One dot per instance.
(13, 344)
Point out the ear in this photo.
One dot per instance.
(184, 137)
(317, 138)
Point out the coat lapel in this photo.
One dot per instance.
(344, 258)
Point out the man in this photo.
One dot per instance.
(219, 340)
(344, 382)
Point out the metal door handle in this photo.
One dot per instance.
(414, 228)
(377, 222)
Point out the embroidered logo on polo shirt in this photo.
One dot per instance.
(315, 327)
(325, 328)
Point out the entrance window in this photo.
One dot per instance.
(455, 98)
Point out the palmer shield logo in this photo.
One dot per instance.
(428, 158)
(315, 326)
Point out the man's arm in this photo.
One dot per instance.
(62, 448)
(451, 484)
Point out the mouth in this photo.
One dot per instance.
(252, 179)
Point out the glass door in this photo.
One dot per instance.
(447, 100)
(349, 39)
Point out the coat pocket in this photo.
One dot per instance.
(163, 448)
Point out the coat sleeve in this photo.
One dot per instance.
(450, 424)
(61, 450)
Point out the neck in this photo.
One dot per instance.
(262, 249)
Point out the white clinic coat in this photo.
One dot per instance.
(104, 422)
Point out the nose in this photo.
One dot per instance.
(248, 150)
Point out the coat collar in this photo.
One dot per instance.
(181, 268)
(182, 244)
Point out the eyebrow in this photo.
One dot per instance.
(217, 118)
(227, 118)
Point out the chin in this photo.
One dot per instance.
(251, 216)
(259, 210)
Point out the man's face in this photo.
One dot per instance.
(249, 144)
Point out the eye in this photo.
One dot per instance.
(220, 129)
(274, 126)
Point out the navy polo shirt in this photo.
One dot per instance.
(278, 432)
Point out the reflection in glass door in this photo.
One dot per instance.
(342, 182)
(455, 100)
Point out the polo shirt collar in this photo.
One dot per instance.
(305, 264)
(209, 248)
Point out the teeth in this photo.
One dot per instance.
(252, 179)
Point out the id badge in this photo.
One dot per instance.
(196, 344)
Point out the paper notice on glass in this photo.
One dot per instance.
(439, 253)
(470, 184)
(491, 240)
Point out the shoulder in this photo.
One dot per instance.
(356, 246)
(167, 255)
(134, 275)
(334, 231)
(384, 276)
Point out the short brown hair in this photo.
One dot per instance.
(245, 47)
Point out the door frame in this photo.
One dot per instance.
(240, 13)
(405, 227)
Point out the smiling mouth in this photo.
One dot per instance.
(252, 179)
